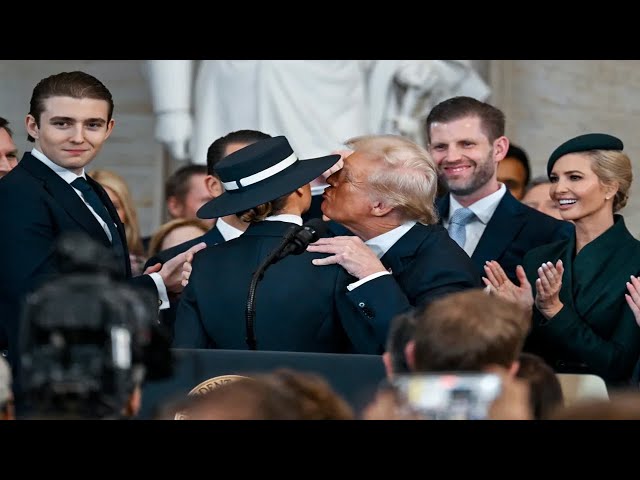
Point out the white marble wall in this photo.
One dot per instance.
(550, 101)
(130, 151)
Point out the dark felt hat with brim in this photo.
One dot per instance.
(261, 172)
(584, 143)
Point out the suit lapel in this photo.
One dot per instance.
(212, 237)
(442, 204)
(505, 223)
(113, 213)
(66, 196)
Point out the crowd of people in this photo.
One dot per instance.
(438, 258)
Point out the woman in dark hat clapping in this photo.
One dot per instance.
(576, 289)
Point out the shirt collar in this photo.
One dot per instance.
(483, 208)
(67, 175)
(228, 232)
(285, 217)
(382, 243)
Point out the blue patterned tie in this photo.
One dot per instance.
(458, 223)
(92, 199)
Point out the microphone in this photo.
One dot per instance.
(295, 241)
(303, 236)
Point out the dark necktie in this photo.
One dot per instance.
(91, 197)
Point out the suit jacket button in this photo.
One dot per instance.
(361, 304)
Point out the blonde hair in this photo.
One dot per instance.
(613, 166)
(409, 180)
(119, 186)
(155, 244)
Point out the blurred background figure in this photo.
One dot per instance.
(8, 149)
(537, 196)
(6, 392)
(120, 195)
(624, 405)
(545, 389)
(514, 171)
(463, 332)
(281, 395)
(186, 191)
(175, 232)
(89, 340)
(401, 331)
(316, 103)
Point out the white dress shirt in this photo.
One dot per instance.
(228, 232)
(285, 217)
(381, 245)
(483, 209)
(68, 176)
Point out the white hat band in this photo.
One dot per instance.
(264, 174)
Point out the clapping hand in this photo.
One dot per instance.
(500, 285)
(633, 297)
(548, 287)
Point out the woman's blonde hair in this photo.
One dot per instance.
(119, 186)
(155, 244)
(611, 167)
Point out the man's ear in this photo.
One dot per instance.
(110, 125)
(380, 209)
(32, 126)
(174, 206)
(388, 368)
(500, 148)
(214, 185)
(513, 369)
(410, 354)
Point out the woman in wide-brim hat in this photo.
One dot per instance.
(267, 185)
(576, 288)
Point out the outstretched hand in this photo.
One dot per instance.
(172, 270)
(500, 285)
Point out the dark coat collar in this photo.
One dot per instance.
(66, 196)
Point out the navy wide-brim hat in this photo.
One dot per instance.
(584, 143)
(261, 172)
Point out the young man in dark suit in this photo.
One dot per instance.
(398, 257)
(48, 193)
(466, 139)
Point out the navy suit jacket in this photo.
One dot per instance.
(295, 301)
(513, 230)
(212, 237)
(37, 206)
(425, 263)
(168, 315)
